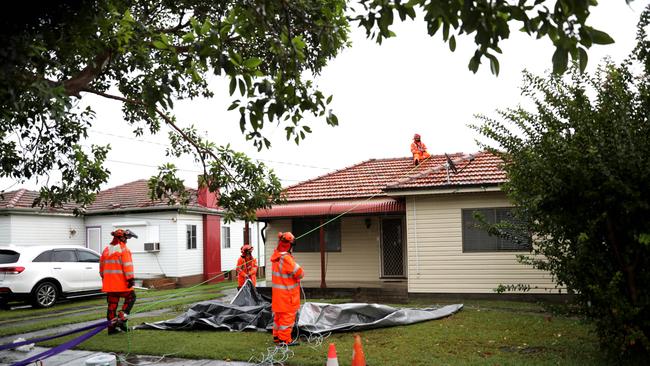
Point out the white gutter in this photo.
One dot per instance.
(443, 191)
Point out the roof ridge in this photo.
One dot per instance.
(433, 169)
(14, 200)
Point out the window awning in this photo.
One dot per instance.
(328, 208)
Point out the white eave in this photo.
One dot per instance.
(446, 190)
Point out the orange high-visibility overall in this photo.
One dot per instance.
(286, 275)
(419, 151)
(116, 268)
(246, 267)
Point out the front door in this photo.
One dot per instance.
(392, 248)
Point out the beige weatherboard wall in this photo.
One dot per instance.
(357, 261)
(436, 262)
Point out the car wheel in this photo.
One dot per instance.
(45, 294)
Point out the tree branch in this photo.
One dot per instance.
(81, 81)
(171, 123)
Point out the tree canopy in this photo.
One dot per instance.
(150, 54)
(578, 172)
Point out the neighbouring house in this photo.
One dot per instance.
(185, 244)
(389, 221)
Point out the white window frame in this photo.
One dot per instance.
(190, 237)
(226, 237)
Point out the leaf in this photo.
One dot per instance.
(452, 43)
(474, 62)
(188, 37)
(560, 60)
(205, 28)
(600, 37)
(494, 64)
(252, 62)
(242, 87)
(159, 45)
(233, 85)
(583, 59)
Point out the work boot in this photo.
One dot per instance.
(112, 330)
(122, 320)
(294, 343)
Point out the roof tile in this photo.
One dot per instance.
(373, 177)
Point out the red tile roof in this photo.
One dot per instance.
(23, 199)
(477, 169)
(376, 176)
(132, 195)
(123, 197)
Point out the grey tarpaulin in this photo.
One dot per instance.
(249, 310)
(325, 318)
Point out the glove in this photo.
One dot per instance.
(130, 282)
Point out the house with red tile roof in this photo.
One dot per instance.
(384, 221)
(187, 244)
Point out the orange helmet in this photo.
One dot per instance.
(286, 237)
(124, 234)
(286, 241)
(246, 248)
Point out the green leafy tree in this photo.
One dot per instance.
(150, 54)
(579, 173)
(563, 22)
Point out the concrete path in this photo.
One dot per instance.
(78, 358)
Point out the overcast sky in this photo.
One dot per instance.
(382, 96)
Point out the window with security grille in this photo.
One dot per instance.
(191, 236)
(225, 237)
(477, 239)
(311, 241)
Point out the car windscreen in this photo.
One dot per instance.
(8, 256)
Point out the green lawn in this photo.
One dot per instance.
(484, 333)
(65, 313)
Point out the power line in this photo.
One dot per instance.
(180, 169)
(168, 145)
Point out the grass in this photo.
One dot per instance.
(154, 300)
(100, 301)
(484, 333)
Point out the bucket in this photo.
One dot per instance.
(102, 360)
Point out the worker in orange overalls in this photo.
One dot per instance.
(286, 275)
(246, 266)
(419, 150)
(116, 269)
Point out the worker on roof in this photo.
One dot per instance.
(286, 276)
(116, 270)
(246, 266)
(419, 150)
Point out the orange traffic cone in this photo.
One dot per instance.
(332, 360)
(358, 358)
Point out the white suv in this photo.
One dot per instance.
(43, 274)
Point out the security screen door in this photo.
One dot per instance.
(392, 248)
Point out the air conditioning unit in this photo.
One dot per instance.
(152, 247)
